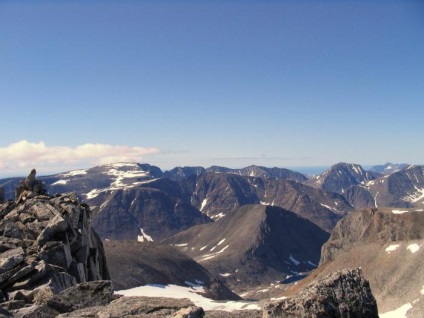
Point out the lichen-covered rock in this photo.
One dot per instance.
(341, 294)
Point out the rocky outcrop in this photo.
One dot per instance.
(341, 294)
(46, 246)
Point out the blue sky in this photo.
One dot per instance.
(232, 83)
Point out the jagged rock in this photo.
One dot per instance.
(11, 259)
(57, 225)
(341, 294)
(46, 246)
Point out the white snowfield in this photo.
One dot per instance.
(397, 313)
(193, 293)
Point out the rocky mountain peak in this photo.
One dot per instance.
(340, 177)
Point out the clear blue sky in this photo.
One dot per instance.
(232, 83)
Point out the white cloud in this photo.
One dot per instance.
(18, 157)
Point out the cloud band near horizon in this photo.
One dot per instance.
(23, 155)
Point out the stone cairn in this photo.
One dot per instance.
(46, 245)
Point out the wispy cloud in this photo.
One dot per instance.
(23, 155)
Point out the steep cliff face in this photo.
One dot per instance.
(46, 245)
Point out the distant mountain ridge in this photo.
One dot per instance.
(389, 168)
(141, 202)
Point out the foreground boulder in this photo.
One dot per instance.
(341, 294)
(46, 246)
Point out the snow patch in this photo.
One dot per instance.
(417, 196)
(263, 290)
(220, 242)
(174, 291)
(123, 164)
(74, 173)
(60, 182)
(399, 211)
(218, 216)
(422, 291)
(144, 237)
(413, 248)
(294, 261)
(93, 193)
(204, 202)
(312, 264)
(182, 244)
(209, 256)
(225, 274)
(202, 248)
(397, 313)
(392, 248)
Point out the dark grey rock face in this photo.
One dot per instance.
(46, 245)
(341, 294)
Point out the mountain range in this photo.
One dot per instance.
(141, 202)
(258, 230)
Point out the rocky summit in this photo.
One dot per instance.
(341, 294)
(47, 245)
